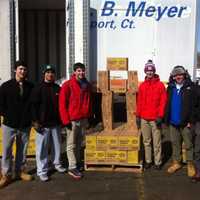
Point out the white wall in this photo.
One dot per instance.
(5, 61)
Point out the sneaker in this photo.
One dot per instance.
(5, 180)
(191, 171)
(60, 169)
(75, 173)
(174, 167)
(23, 176)
(147, 165)
(44, 177)
(157, 167)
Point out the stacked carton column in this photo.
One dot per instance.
(116, 144)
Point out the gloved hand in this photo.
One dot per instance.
(138, 122)
(69, 126)
(37, 126)
(159, 122)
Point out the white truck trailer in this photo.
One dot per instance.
(67, 31)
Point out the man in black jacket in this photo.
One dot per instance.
(46, 122)
(178, 116)
(15, 109)
(196, 128)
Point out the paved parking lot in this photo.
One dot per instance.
(150, 185)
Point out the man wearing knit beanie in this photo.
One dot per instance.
(151, 102)
(178, 115)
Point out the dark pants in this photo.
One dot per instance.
(179, 135)
(197, 146)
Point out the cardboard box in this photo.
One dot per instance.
(129, 142)
(91, 142)
(100, 156)
(117, 63)
(133, 157)
(95, 156)
(122, 156)
(106, 142)
(90, 156)
(112, 156)
(118, 85)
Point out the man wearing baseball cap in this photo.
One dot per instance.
(179, 116)
(15, 109)
(46, 121)
(151, 101)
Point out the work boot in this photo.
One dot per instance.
(174, 167)
(191, 171)
(5, 180)
(23, 176)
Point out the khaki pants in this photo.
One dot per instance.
(177, 136)
(151, 136)
(75, 139)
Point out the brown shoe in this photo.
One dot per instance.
(24, 176)
(5, 180)
(174, 167)
(191, 171)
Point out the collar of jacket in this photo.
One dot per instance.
(186, 83)
(155, 78)
(73, 77)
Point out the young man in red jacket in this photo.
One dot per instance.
(151, 103)
(75, 109)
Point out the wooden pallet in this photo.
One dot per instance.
(136, 168)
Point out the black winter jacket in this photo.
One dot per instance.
(196, 109)
(44, 101)
(15, 108)
(187, 94)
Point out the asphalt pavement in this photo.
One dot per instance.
(149, 185)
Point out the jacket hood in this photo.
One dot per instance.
(187, 82)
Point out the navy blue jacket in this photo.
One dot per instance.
(187, 99)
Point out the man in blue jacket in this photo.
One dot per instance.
(178, 116)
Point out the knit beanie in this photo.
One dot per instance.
(178, 70)
(149, 66)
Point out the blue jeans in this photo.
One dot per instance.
(42, 147)
(22, 138)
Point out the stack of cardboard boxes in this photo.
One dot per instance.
(115, 145)
(119, 147)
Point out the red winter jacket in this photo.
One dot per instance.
(74, 101)
(151, 99)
